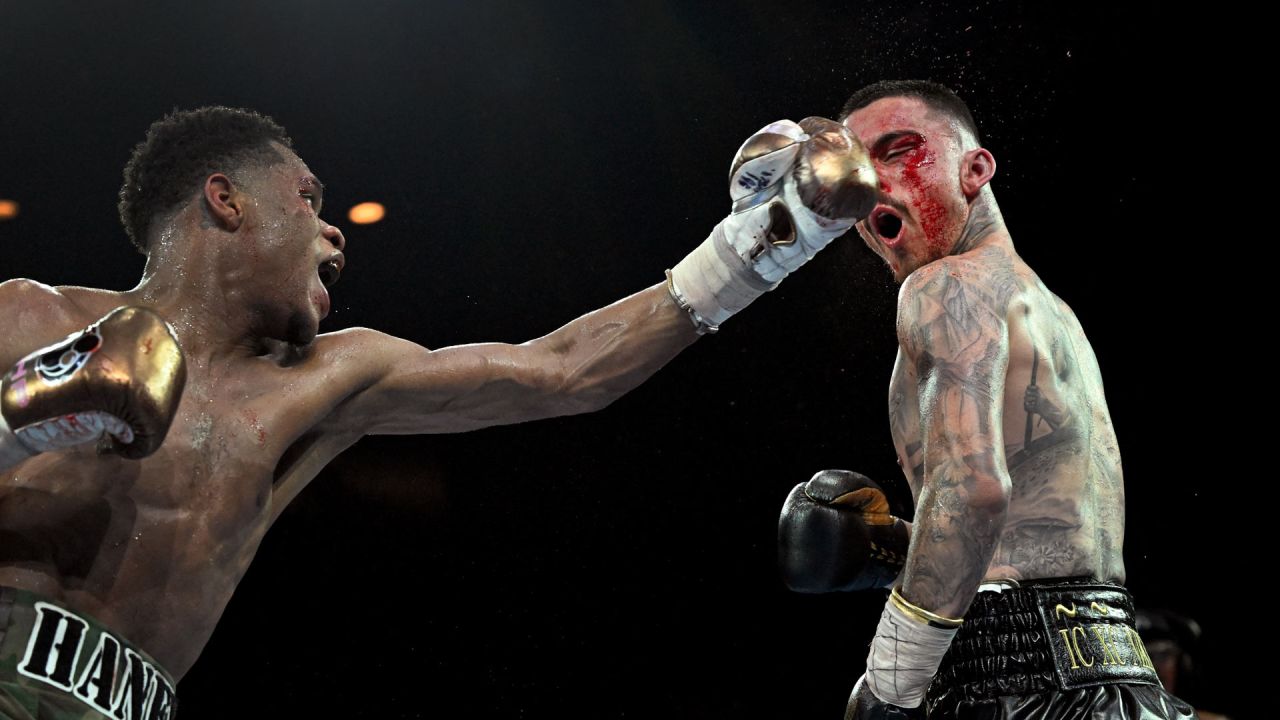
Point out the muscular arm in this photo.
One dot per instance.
(952, 328)
(583, 366)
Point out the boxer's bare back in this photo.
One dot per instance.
(155, 548)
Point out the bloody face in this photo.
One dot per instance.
(918, 155)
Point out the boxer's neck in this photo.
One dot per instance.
(984, 226)
(209, 300)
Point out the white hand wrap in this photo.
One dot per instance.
(905, 654)
(713, 282)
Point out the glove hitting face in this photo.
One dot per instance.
(795, 187)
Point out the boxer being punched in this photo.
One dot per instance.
(1007, 586)
(114, 569)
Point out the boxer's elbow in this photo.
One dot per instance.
(988, 499)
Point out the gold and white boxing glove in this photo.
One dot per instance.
(121, 379)
(795, 187)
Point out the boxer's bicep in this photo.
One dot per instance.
(955, 334)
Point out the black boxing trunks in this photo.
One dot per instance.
(1050, 649)
(60, 664)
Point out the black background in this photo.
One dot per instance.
(539, 161)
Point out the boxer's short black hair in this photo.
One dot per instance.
(938, 97)
(181, 150)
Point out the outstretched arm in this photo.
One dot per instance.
(953, 330)
(796, 186)
(583, 366)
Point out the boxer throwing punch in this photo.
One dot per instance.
(118, 552)
(1005, 594)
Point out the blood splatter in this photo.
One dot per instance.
(252, 419)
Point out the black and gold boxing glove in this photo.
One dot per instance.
(121, 379)
(864, 705)
(837, 533)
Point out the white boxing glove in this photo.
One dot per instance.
(795, 187)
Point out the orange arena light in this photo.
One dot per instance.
(366, 213)
(8, 209)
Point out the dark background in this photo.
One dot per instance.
(539, 161)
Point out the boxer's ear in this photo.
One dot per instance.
(976, 170)
(223, 203)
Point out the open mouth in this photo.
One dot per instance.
(329, 272)
(887, 225)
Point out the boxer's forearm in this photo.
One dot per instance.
(606, 353)
(958, 522)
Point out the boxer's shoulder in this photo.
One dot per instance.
(93, 303)
(982, 281)
(953, 283)
(344, 362)
(22, 299)
(35, 314)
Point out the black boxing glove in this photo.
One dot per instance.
(836, 533)
(864, 705)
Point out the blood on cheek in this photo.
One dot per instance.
(930, 212)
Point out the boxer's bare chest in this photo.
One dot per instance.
(155, 548)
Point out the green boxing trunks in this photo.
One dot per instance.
(58, 664)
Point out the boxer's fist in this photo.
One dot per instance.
(836, 533)
(120, 379)
(795, 187)
(864, 705)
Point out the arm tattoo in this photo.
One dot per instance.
(901, 427)
(952, 326)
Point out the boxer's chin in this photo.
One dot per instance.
(898, 275)
(301, 328)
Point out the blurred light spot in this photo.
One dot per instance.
(366, 213)
(8, 209)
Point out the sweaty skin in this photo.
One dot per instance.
(996, 404)
(155, 548)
